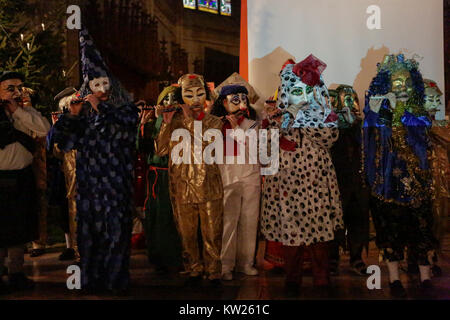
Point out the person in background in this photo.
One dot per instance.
(440, 167)
(19, 219)
(346, 156)
(40, 174)
(68, 102)
(163, 240)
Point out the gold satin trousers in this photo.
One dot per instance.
(187, 217)
(72, 202)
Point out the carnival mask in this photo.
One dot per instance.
(194, 96)
(433, 101)
(100, 87)
(348, 99)
(401, 83)
(300, 94)
(235, 102)
(193, 90)
(169, 99)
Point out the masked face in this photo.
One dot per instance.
(300, 94)
(348, 99)
(402, 85)
(194, 97)
(100, 87)
(12, 90)
(235, 102)
(433, 101)
(169, 100)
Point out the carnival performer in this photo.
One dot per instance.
(273, 251)
(18, 198)
(29, 98)
(104, 136)
(69, 102)
(396, 167)
(346, 156)
(440, 167)
(241, 181)
(305, 210)
(163, 240)
(195, 186)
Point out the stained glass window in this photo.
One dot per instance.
(209, 6)
(190, 4)
(225, 7)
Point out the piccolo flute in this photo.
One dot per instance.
(171, 109)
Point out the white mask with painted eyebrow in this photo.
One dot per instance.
(100, 84)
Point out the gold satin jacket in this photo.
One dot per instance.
(190, 183)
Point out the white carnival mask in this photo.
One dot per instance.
(433, 101)
(101, 84)
(300, 94)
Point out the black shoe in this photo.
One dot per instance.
(19, 282)
(37, 253)
(67, 254)
(413, 268)
(437, 271)
(397, 290)
(292, 289)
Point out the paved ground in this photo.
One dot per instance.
(50, 276)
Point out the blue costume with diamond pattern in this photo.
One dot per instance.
(105, 144)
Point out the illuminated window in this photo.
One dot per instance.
(208, 6)
(190, 4)
(225, 7)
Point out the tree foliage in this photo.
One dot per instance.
(32, 42)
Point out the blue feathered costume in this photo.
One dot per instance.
(395, 162)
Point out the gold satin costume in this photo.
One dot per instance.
(196, 193)
(440, 139)
(69, 169)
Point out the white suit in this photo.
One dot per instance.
(242, 191)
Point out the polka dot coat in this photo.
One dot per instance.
(300, 204)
